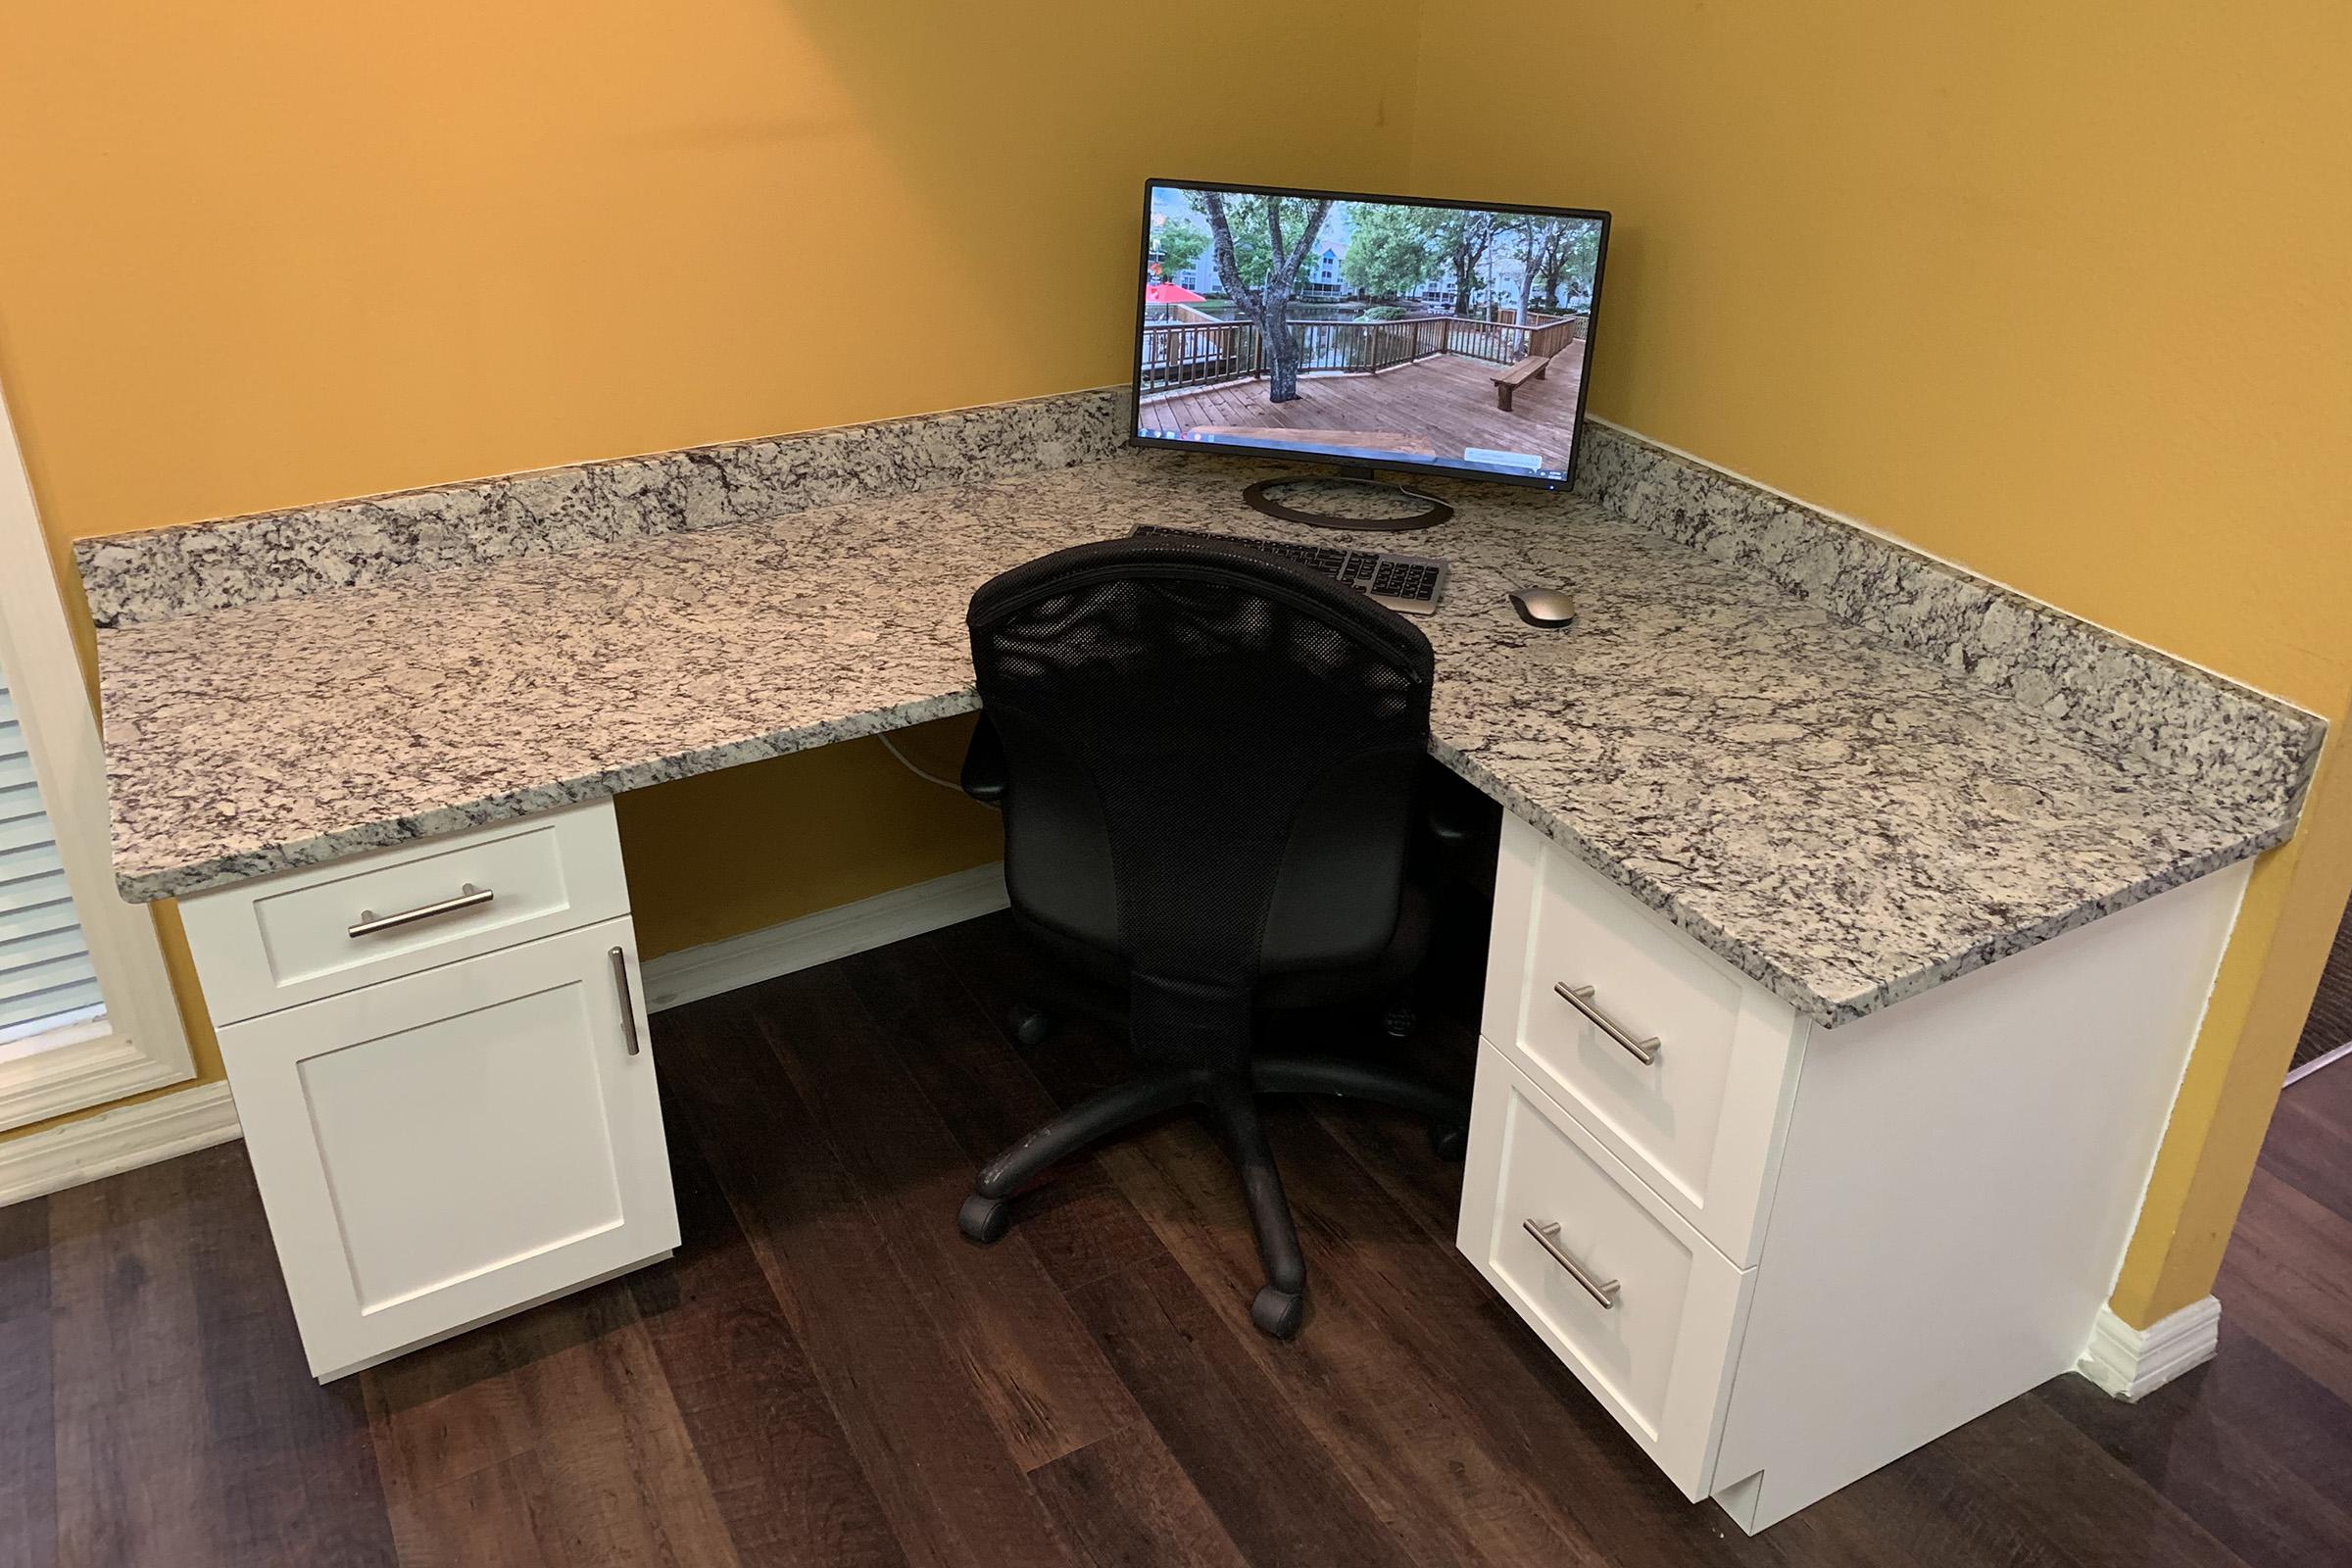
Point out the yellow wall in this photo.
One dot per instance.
(800, 834)
(278, 252)
(284, 252)
(2054, 292)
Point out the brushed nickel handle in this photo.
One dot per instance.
(1548, 1237)
(1644, 1051)
(370, 923)
(629, 1009)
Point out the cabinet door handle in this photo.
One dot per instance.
(370, 922)
(1644, 1051)
(1548, 1237)
(628, 1010)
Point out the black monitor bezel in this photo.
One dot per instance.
(1294, 454)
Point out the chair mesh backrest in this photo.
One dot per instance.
(1187, 728)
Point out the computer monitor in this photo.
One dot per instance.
(1370, 331)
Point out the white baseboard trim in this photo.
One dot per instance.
(2316, 1062)
(677, 979)
(92, 1064)
(117, 1141)
(2131, 1363)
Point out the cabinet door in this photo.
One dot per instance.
(1640, 1306)
(441, 1149)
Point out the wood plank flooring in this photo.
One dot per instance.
(1446, 402)
(826, 1374)
(2330, 1023)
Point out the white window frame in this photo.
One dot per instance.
(140, 1043)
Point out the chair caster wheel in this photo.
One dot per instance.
(1030, 1025)
(984, 1219)
(1277, 1313)
(1400, 1020)
(1449, 1140)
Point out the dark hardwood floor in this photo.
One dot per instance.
(827, 1374)
(2329, 1022)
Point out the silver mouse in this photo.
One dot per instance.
(1544, 607)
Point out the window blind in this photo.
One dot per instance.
(45, 974)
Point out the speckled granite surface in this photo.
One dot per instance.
(2159, 715)
(344, 544)
(1843, 819)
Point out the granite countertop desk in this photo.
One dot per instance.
(1851, 771)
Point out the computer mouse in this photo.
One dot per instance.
(1543, 607)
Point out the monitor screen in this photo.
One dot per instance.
(1367, 331)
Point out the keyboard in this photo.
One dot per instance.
(1408, 583)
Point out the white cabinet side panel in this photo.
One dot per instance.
(1961, 1174)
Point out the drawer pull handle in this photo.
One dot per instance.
(628, 1010)
(1644, 1051)
(1548, 1237)
(370, 923)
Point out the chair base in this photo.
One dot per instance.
(1230, 1102)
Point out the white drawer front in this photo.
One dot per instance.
(443, 1147)
(1699, 1120)
(1659, 1351)
(285, 939)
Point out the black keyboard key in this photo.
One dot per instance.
(1407, 580)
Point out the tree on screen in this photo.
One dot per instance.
(1392, 252)
(1261, 245)
(1463, 238)
(1567, 260)
(1179, 246)
(1246, 219)
(1539, 242)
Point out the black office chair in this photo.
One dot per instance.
(1207, 761)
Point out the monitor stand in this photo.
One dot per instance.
(1375, 508)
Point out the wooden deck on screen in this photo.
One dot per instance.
(1445, 402)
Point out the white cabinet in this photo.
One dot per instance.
(1684, 1067)
(1617, 1283)
(1819, 1248)
(475, 1134)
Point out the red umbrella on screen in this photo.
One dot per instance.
(1171, 294)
